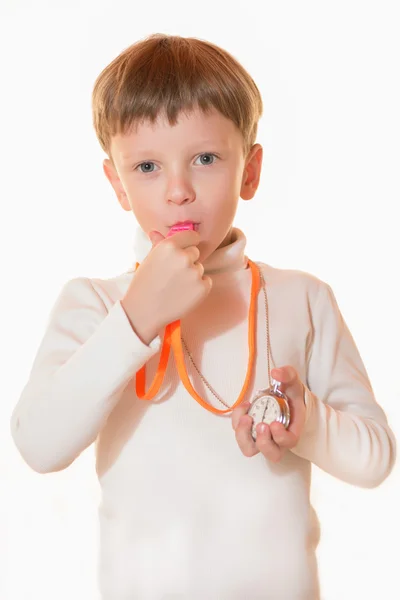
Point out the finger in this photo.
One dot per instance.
(238, 412)
(266, 445)
(291, 383)
(244, 438)
(284, 438)
(155, 237)
(286, 375)
(207, 283)
(192, 254)
(200, 269)
(294, 389)
(185, 238)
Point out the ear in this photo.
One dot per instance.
(252, 172)
(112, 176)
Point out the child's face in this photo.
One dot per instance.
(193, 171)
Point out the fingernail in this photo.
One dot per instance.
(263, 428)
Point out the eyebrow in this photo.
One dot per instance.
(151, 151)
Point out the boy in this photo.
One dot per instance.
(193, 507)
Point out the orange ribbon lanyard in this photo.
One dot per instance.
(172, 336)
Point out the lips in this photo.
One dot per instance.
(182, 225)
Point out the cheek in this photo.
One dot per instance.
(226, 172)
(221, 189)
(221, 212)
(145, 211)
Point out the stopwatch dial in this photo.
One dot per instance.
(264, 410)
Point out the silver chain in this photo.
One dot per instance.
(269, 357)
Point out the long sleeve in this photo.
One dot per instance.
(85, 360)
(346, 432)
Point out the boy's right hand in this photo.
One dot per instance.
(168, 284)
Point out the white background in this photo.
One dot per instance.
(328, 200)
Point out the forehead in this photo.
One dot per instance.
(192, 128)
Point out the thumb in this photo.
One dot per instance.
(155, 237)
(286, 374)
(290, 380)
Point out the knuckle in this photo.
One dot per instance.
(261, 445)
(262, 437)
(186, 259)
(278, 439)
(200, 269)
(238, 435)
(247, 452)
(168, 245)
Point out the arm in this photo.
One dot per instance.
(346, 432)
(84, 362)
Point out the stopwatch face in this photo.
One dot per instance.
(267, 408)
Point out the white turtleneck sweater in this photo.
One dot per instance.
(184, 515)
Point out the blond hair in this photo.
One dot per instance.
(169, 74)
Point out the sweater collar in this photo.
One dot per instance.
(229, 258)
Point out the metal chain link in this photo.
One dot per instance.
(269, 357)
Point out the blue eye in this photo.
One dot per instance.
(148, 163)
(208, 154)
(148, 166)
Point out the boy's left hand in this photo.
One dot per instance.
(273, 440)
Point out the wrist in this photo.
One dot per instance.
(141, 324)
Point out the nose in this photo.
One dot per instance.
(180, 191)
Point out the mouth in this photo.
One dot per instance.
(184, 224)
